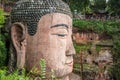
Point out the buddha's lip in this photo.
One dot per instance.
(69, 63)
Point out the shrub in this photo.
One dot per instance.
(13, 76)
(3, 51)
(2, 18)
(115, 72)
(110, 27)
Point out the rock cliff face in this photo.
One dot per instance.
(97, 57)
(80, 36)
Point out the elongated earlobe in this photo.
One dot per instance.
(18, 36)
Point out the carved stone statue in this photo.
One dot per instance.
(42, 29)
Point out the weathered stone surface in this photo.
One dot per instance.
(30, 11)
(82, 37)
(38, 34)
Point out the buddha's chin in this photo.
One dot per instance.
(63, 72)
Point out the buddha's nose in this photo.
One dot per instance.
(71, 50)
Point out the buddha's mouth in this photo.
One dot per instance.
(69, 63)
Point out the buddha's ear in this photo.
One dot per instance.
(18, 35)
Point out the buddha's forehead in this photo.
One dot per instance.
(30, 11)
(56, 18)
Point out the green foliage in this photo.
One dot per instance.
(3, 51)
(2, 18)
(43, 71)
(98, 48)
(116, 51)
(80, 47)
(43, 68)
(98, 5)
(109, 27)
(88, 6)
(24, 76)
(115, 72)
(13, 76)
(113, 7)
(79, 5)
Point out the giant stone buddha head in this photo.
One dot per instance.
(42, 29)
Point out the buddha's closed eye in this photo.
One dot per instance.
(60, 35)
(60, 32)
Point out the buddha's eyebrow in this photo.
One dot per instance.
(57, 25)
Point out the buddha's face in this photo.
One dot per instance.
(53, 43)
